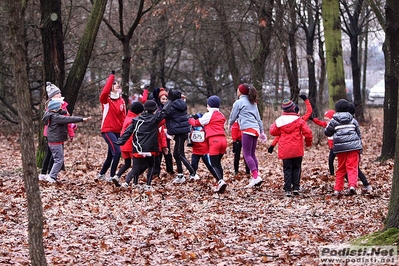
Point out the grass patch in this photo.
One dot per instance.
(380, 238)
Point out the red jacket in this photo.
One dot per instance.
(322, 123)
(200, 148)
(128, 146)
(236, 133)
(291, 129)
(305, 117)
(113, 111)
(162, 137)
(212, 121)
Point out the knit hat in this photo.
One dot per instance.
(342, 105)
(288, 106)
(54, 106)
(162, 92)
(329, 113)
(243, 89)
(150, 106)
(352, 109)
(214, 101)
(137, 108)
(51, 89)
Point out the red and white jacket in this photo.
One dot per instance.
(113, 111)
(292, 130)
(213, 122)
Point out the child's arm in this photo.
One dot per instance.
(319, 122)
(107, 89)
(308, 105)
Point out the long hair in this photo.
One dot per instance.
(252, 93)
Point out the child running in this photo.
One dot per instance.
(245, 110)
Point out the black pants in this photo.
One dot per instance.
(207, 161)
(292, 173)
(139, 167)
(180, 157)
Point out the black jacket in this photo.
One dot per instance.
(57, 130)
(345, 131)
(144, 129)
(177, 119)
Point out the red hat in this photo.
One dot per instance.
(162, 92)
(329, 113)
(243, 89)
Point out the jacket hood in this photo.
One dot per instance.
(179, 104)
(47, 116)
(343, 117)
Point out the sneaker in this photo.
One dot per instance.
(101, 177)
(149, 188)
(42, 177)
(288, 193)
(352, 191)
(125, 185)
(295, 192)
(49, 179)
(221, 186)
(194, 177)
(337, 193)
(115, 179)
(369, 188)
(255, 182)
(179, 179)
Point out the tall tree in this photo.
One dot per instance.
(354, 21)
(125, 37)
(53, 42)
(333, 37)
(391, 45)
(78, 70)
(309, 21)
(19, 63)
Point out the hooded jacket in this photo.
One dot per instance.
(291, 129)
(144, 129)
(345, 131)
(57, 125)
(177, 119)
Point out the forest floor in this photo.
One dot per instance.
(94, 223)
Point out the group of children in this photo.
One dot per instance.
(142, 137)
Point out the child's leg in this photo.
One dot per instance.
(287, 169)
(46, 161)
(352, 166)
(122, 170)
(58, 155)
(194, 161)
(135, 172)
(237, 155)
(331, 158)
(248, 148)
(363, 178)
(296, 172)
(168, 159)
(207, 161)
(341, 171)
(150, 161)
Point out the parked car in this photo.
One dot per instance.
(377, 94)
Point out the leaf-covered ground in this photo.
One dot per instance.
(89, 223)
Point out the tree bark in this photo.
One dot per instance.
(19, 63)
(335, 65)
(78, 70)
(391, 53)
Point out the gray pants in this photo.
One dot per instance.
(58, 156)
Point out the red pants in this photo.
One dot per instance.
(348, 162)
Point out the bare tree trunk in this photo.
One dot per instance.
(53, 42)
(391, 80)
(228, 43)
(335, 65)
(19, 62)
(78, 70)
